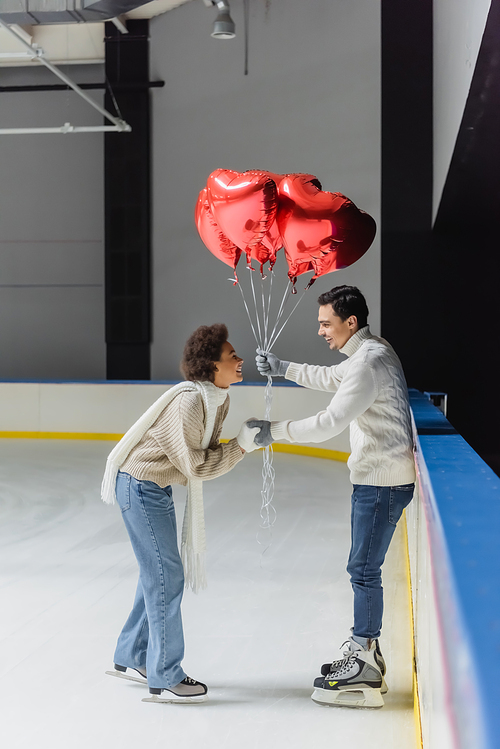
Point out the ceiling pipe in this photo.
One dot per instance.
(36, 52)
(37, 12)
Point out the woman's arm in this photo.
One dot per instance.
(179, 434)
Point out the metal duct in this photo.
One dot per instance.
(34, 12)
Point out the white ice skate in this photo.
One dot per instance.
(354, 681)
(130, 674)
(352, 645)
(186, 692)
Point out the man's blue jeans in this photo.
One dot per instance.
(375, 511)
(152, 637)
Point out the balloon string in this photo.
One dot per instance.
(248, 311)
(286, 297)
(266, 306)
(269, 301)
(287, 319)
(268, 512)
(264, 318)
(255, 304)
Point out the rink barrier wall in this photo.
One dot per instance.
(103, 410)
(453, 528)
(312, 452)
(416, 697)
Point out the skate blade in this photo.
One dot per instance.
(384, 688)
(176, 700)
(370, 699)
(121, 675)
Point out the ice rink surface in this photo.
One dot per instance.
(257, 635)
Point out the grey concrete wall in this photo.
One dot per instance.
(51, 233)
(311, 103)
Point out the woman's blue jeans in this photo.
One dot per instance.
(375, 511)
(152, 637)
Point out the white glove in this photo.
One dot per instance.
(245, 438)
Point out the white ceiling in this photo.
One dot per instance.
(78, 43)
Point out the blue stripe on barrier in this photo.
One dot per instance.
(467, 494)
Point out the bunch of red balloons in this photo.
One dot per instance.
(258, 213)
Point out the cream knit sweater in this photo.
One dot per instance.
(170, 452)
(371, 397)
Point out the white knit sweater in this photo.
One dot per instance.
(170, 451)
(372, 397)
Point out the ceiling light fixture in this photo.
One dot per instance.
(224, 27)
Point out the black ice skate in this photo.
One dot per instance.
(187, 691)
(354, 681)
(379, 658)
(130, 674)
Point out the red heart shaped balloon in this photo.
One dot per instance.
(211, 234)
(359, 232)
(321, 228)
(243, 205)
(272, 241)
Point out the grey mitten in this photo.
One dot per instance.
(269, 365)
(264, 437)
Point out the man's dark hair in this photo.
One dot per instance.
(203, 348)
(346, 301)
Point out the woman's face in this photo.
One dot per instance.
(228, 368)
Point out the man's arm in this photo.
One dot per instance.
(313, 377)
(356, 393)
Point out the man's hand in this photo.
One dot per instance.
(269, 365)
(264, 436)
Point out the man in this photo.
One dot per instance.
(371, 397)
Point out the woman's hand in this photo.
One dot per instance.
(246, 436)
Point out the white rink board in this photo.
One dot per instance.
(111, 408)
(437, 727)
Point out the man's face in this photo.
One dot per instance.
(335, 332)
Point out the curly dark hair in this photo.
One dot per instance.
(203, 348)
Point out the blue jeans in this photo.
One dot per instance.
(152, 637)
(375, 511)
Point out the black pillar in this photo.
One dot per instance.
(440, 284)
(407, 166)
(127, 206)
(466, 239)
(406, 172)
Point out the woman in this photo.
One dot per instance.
(175, 442)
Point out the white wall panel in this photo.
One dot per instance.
(19, 406)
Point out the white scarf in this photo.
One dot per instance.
(193, 528)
